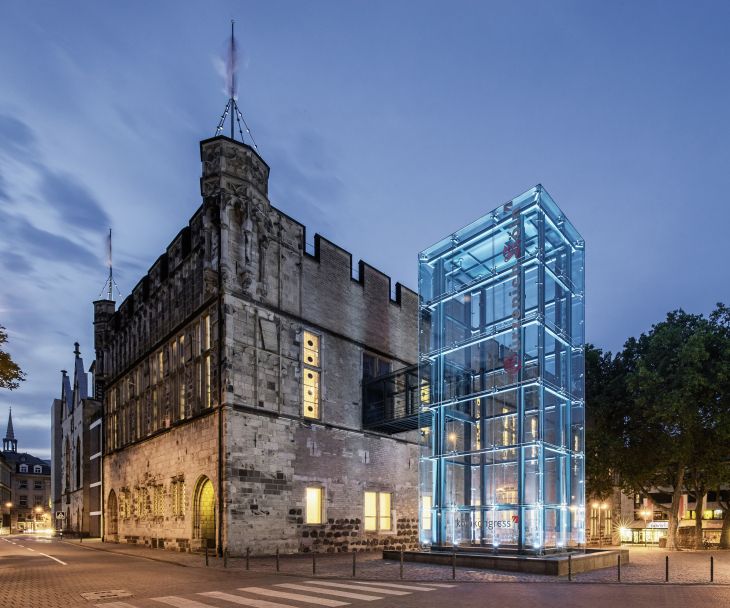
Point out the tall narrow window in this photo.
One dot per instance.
(314, 511)
(426, 512)
(310, 374)
(378, 514)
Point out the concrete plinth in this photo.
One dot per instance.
(552, 565)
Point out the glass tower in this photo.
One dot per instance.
(501, 368)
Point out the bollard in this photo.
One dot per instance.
(712, 568)
(354, 558)
(666, 569)
(570, 567)
(453, 564)
(206, 555)
(225, 558)
(277, 559)
(401, 564)
(314, 563)
(618, 567)
(248, 556)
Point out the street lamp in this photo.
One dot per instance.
(604, 506)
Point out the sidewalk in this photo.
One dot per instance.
(647, 566)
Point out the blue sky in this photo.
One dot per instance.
(387, 124)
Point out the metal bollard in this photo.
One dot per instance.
(225, 558)
(248, 556)
(401, 564)
(712, 568)
(666, 569)
(570, 567)
(277, 559)
(354, 560)
(618, 567)
(453, 564)
(314, 563)
(206, 555)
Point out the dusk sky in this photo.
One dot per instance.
(386, 124)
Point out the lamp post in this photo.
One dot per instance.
(9, 507)
(36, 512)
(645, 514)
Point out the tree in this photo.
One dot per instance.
(676, 413)
(10, 374)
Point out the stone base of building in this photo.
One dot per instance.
(551, 565)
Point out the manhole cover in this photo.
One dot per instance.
(105, 595)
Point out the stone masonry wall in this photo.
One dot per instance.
(185, 453)
(272, 460)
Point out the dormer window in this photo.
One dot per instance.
(23, 468)
(38, 469)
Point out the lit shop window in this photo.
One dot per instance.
(378, 512)
(426, 504)
(310, 374)
(314, 511)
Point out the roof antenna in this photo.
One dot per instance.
(110, 284)
(231, 106)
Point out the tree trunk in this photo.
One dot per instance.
(725, 533)
(700, 504)
(674, 511)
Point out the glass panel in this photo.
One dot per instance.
(384, 507)
(311, 349)
(314, 503)
(310, 390)
(371, 511)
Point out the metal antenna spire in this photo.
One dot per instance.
(232, 105)
(110, 284)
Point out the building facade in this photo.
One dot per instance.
(76, 431)
(29, 508)
(502, 316)
(233, 385)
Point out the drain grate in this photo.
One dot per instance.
(106, 595)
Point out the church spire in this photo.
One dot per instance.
(10, 443)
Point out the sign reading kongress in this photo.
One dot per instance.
(502, 375)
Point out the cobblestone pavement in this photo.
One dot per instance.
(37, 572)
(647, 565)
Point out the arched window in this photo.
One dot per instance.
(204, 512)
(23, 468)
(112, 515)
(38, 469)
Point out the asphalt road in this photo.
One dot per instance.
(38, 572)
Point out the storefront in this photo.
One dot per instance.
(644, 533)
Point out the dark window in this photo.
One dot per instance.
(37, 484)
(22, 484)
(23, 502)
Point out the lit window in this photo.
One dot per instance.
(314, 511)
(311, 349)
(311, 393)
(310, 374)
(426, 512)
(378, 516)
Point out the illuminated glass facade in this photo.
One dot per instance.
(502, 354)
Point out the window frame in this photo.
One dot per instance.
(316, 370)
(378, 512)
(320, 489)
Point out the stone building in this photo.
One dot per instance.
(30, 486)
(233, 380)
(76, 430)
(5, 494)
